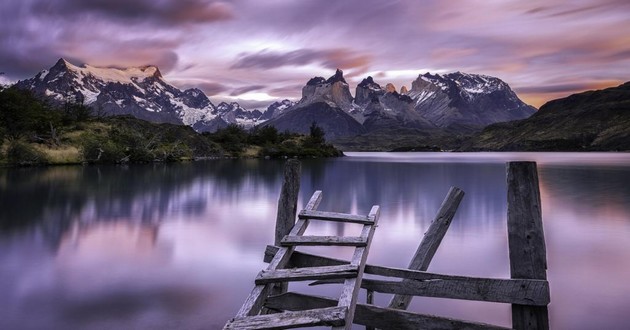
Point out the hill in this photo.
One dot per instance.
(590, 121)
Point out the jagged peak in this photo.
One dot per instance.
(110, 74)
(316, 81)
(338, 76)
(368, 82)
(390, 88)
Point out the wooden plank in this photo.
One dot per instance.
(350, 290)
(526, 291)
(306, 274)
(526, 239)
(374, 316)
(253, 302)
(323, 241)
(333, 216)
(431, 241)
(328, 316)
(287, 202)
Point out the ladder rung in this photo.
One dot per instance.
(330, 316)
(333, 216)
(323, 240)
(306, 274)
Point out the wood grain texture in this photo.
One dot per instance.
(431, 241)
(525, 292)
(323, 241)
(350, 290)
(526, 239)
(287, 207)
(287, 202)
(328, 316)
(334, 216)
(306, 274)
(374, 316)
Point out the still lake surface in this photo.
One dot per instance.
(177, 246)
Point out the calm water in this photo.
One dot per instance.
(177, 246)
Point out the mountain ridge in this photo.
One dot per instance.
(591, 120)
(138, 91)
(456, 102)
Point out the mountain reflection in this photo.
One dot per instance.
(145, 246)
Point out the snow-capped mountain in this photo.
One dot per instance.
(139, 91)
(462, 99)
(233, 113)
(276, 109)
(456, 102)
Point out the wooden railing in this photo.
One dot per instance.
(527, 290)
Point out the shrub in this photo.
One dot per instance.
(21, 153)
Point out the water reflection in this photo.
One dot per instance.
(177, 245)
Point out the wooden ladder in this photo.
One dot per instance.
(338, 317)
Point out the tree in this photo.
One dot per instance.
(20, 112)
(316, 136)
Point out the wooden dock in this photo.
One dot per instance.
(271, 306)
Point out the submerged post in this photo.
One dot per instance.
(287, 203)
(526, 239)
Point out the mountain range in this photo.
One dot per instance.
(455, 102)
(140, 91)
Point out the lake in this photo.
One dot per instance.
(177, 246)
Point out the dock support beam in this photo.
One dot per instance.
(287, 209)
(526, 239)
(287, 203)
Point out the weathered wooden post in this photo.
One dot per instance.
(287, 203)
(287, 209)
(431, 241)
(526, 239)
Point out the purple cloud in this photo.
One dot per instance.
(331, 59)
(138, 11)
(245, 89)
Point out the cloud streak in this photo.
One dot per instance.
(543, 48)
(330, 59)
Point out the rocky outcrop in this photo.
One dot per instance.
(334, 91)
(390, 88)
(367, 91)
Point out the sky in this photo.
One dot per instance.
(256, 52)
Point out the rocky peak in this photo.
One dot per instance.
(151, 70)
(276, 109)
(61, 65)
(316, 81)
(338, 76)
(369, 83)
(334, 91)
(390, 88)
(460, 98)
(367, 91)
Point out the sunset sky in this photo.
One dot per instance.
(256, 51)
